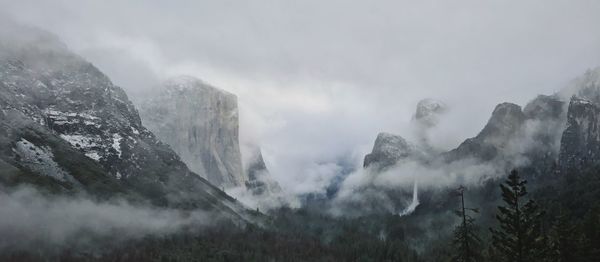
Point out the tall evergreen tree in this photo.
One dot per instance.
(466, 241)
(564, 240)
(519, 237)
(590, 246)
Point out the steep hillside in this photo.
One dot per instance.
(66, 127)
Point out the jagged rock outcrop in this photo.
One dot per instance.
(428, 112)
(67, 128)
(200, 123)
(506, 121)
(260, 182)
(388, 150)
(580, 143)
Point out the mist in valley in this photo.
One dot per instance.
(344, 120)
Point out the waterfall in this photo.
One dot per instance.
(415, 202)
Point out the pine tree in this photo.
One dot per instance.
(564, 240)
(590, 240)
(466, 241)
(519, 237)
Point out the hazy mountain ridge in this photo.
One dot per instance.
(260, 181)
(548, 135)
(507, 125)
(69, 129)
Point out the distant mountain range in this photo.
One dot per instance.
(552, 134)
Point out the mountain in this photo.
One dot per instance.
(67, 128)
(260, 182)
(388, 150)
(580, 143)
(200, 123)
(544, 108)
(428, 112)
(505, 122)
(527, 138)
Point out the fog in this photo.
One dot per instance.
(29, 218)
(433, 173)
(317, 80)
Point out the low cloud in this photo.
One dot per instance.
(30, 220)
(533, 139)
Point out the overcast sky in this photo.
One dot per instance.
(317, 80)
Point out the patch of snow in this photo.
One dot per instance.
(93, 155)
(89, 144)
(82, 141)
(59, 115)
(117, 143)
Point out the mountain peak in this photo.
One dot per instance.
(428, 112)
(506, 119)
(428, 107)
(388, 149)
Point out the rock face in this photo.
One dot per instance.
(428, 112)
(580, 143)
(66, 127)
(426, 117)
(507, 119)
(388, 150)
(260, 181)
(200, 123)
